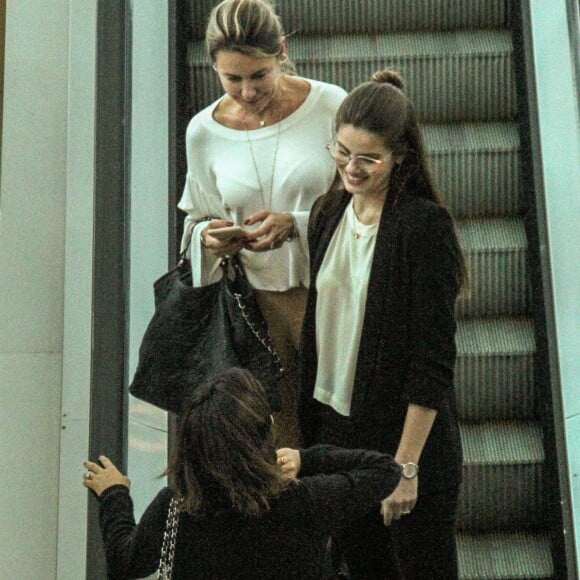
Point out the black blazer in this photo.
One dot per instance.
(407, 349)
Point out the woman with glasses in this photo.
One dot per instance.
(378, 350)
(256, 161)
(243, 513)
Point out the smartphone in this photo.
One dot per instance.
(229, 233)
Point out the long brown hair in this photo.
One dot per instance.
(225, 454)
(381, 107)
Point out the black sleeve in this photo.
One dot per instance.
(132, 550)
(434, 265)
(313, 230)
(344, 484)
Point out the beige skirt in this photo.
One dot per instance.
(284, 313)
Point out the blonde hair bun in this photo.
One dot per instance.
(390, 76)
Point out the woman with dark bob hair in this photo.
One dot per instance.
(243, 511)
(378, 348)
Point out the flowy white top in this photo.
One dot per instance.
(228, 168)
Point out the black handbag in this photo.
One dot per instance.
(197, 332)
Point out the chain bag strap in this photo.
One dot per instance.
(169, 537)
(260, 333)
(264, 339)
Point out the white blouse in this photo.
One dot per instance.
(228, 168)
(342, 285)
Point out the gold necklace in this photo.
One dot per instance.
(279, 89)
(356, 234)
(262, 122)
(255, 164)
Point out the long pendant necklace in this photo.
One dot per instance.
(255, 164)
(279, 93)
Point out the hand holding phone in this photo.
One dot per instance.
(228, 233)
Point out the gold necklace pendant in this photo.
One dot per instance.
(265, 202)
(368, 228)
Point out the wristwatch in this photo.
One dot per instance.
(409, 470)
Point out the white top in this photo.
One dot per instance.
(222, 182)
(342, 284)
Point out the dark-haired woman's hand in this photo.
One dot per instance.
(289, 461)
(98, 478)
(401, 501)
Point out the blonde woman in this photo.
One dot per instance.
(256, 160)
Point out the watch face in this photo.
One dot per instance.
(410, 470)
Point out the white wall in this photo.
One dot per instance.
(46, 253)
(147, 456)
(560, 143)
(32, 242)
(72, 521)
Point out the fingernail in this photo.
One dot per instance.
(230, 223)
(246, 222)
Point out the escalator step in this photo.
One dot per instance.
(495, 337)
(450, 76)
(475, 167)
(498, 556)
(349, 16)
(495, 254)
(502, 476)
(495, 368)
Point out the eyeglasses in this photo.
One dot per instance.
(341, 157)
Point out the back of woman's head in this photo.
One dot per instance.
(380, 106)
(225, 453)
(247, 26)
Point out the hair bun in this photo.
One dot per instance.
(388, 76)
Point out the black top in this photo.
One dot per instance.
(336, 487)
(407, 349)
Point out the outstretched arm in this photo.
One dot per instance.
(344, 484)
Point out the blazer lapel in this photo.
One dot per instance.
(374, 318)
(332, 216)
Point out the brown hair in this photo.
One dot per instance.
(247, 26)
(225, 456)
(381, 107)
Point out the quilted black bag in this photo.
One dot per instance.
(197, 332)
